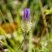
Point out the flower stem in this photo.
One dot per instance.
(30, 41)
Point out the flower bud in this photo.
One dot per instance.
(26, 15)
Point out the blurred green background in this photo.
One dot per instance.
(12, 36)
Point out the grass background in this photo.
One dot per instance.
(38, 39)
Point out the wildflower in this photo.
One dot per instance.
(26, 20)
(26, 14)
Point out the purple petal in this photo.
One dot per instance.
(26, 14)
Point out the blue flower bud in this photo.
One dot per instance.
(26, 14)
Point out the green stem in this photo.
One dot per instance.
(2, 16)
(5, 43)
(30, 41)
